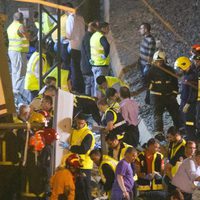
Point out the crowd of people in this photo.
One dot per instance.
(167, 166)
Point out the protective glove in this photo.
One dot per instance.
(103, 56)
(64, 145)
(186, 107)
(149, 177)
(91, 62)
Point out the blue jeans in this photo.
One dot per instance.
(89, 84)
(97, 71)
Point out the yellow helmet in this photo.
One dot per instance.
(37, 117)
(183, 63)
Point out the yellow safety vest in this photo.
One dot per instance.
(173, 153)
(47, 25)
(17, 43)
(107, 160)
(64, 77)
(63, 33)
(77, 138)
(31, 78)
(111, 82)
(97, 50)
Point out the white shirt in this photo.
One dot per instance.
(186, 175)
(75, 29)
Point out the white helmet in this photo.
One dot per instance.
(159, 55)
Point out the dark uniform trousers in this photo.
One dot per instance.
(162, 103)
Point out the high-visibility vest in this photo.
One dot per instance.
(143, 184)
(64, 77)
(47, 25)
(77, 138)
(112, 82)
(63, 33)
(17, 43)
(173, 152)
(107, 160)
(97, 50)
(32, 74)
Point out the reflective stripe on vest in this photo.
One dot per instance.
(107, 160)
(174, 150)
(76, 139)
(32, 74)
(27, 193)
(17, 43)
(123, 150)
(97, 50)
(198, 98)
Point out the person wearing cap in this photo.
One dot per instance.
(163, 91)
(18, 48)
(189, 94)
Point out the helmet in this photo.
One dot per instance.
(37, 117)
(36, 142)
(73, 160)
(159, 55)
(183, 63)
(195, 49)
(49, 135)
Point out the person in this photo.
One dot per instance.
(196, 60)
(147, 47)
(81, 142)
(100, 49)
(18, 47)
(49, 91)
(176, 153)
(113, 98)
(150, 168)
(62, 182)
(189, 94)
(188, 172)
(49, 80)
(106, 166)
(112, 120)
(163, 91)
(88, 106)
(123, 184)
(176, 195)
(105, 82)
(75, 29)
(130, 110)
(33, 73)
(64, 42)
(86, 67)
(116, 147)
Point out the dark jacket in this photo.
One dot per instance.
(86, 68)
(160, 82)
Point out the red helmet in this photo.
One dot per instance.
(37, 142)
(195, 49)
(73, 160)
(49, 135)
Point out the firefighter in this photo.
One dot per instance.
(62, 182)
(150, 167)
(106, 166)
(112, 120)
(163, 91)
(188, 95)
(9, 166)
(105, 82)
